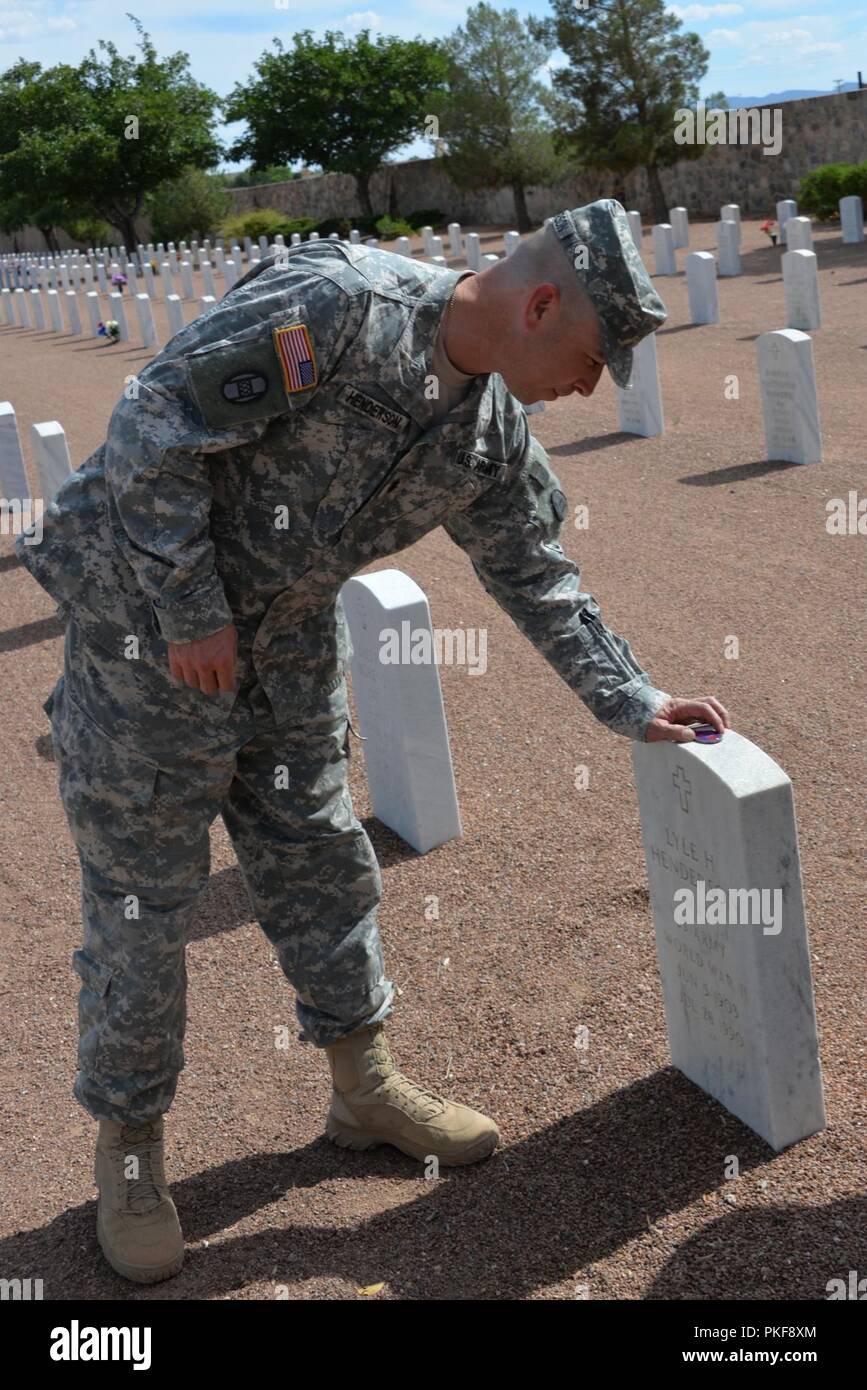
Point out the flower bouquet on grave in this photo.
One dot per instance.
(770, 229)
(110, 330)
(120, 281)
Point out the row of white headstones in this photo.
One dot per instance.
(786, 369)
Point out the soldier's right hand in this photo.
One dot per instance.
(207, 665)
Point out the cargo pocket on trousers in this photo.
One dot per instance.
(92, 1006)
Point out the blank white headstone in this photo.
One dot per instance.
(852, 219)
(101, 278)
(149, 282)
(8, 307)
(436, 247)
(721, 845)
(88, 277)
(354, 236)
(295, 239)
(248, 246)
(701, 284)
(175, 312)
(230, 273)
(473, 251)
(511, 242)
(36, 306)
(679, 219)
(51, 457)
(146, 324)
(727, 248)
(263, 246)
(489, 259)
(635, 227)
(207, 277)
(403, 246)
(790, 407)
(206, 302)
(54, 310)
(786, 208)
(732, 213)
(187, 280)
(72, 312)
(117, 311)
(663, 249)
(220, 255)
(801, 285)
(799, 234)
(166, 277)
(14, 486)
(22, 299)
(640, 405)
(314, 236)
(455, 239)
(94, 311)
(400, 710)
(426, 234)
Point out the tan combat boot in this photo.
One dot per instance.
(373, 1103)
(136, 1225)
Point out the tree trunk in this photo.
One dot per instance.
(125, 224)
(46, 232)
(393, 211)
(522, 216)
(362, 183)
(657, 195)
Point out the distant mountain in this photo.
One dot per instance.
(793, 94)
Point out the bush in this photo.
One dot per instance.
(820, 191)
(269, 222)
(388, 228)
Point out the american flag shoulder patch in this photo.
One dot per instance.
(296, 356)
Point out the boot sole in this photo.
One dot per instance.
(135, 1273)
(359, 1140)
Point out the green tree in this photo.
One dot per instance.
(250, 178)
(193, 204)
(494, 116)
(105, 134)
(343, 104)
(630, 69)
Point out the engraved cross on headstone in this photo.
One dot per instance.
(683, 787)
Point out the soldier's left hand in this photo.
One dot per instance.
(670, 721)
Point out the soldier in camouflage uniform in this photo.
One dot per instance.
(275, 447)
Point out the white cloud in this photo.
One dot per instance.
(693, 12)
(724, 36)
(18, 25)
(362, 19)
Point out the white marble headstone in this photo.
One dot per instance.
(852, 219)
(14, 486)
(721, 846)
(799, 234)
(790, 409)
(679, 219)
(731, 213)
(400, 709)
(454, 230)
(145, 314)
(701, 284)
(175, 312)
(635, 226)
(801, 287)
(640, 405)
(727, 248)
(663, 249)
(473, 251)
(51, 457)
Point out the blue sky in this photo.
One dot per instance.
(756, 48)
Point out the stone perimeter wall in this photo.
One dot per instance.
(816, 130)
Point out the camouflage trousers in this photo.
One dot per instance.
(141, 783)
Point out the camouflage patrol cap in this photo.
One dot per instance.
(598, 241)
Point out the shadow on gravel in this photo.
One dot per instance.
(17, 637)
(738, 472)
(8, 562)
(594, 441)
(678, 328)
(537, 1211)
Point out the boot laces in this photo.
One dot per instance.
(142, 1193)
(429, 1104)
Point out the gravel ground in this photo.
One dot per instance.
(611, 1175)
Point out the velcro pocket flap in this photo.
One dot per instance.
(264, 371)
